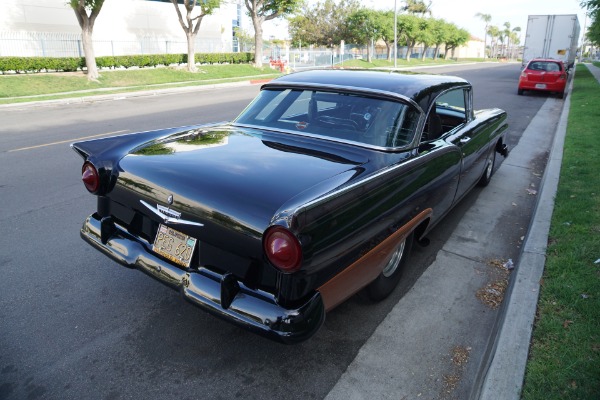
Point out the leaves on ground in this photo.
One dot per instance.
(492, 294)
(460, 358)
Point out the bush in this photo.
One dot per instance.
(38, 64)
(69, 64)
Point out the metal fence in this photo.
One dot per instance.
(307, 58)
(304, 59)
(50, 44)
(382, 52)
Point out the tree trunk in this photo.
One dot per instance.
(191, 64)
(370, 51)
(409, 50)
(425, 48)
(389, 51)
(258, 41)
(90, 57)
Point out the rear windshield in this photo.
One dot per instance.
(340, 116)
(547, 66)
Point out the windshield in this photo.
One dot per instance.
(340, 116)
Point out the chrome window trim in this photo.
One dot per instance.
(345, 89)
(469, 112)
(382, 94)
(328, 138)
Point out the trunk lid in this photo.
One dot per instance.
(231, 177)
(543, 77)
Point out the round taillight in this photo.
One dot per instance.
(90, 177)
(283, 249)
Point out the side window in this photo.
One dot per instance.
(448, 112)
(453, 100)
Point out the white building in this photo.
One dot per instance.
(474, 48)
(50, 28)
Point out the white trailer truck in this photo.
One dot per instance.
(552, 36)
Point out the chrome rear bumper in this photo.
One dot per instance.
(220, 294)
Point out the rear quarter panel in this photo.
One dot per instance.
(338, 229)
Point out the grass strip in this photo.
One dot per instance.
(19, 88)
(20, 85)
(564, 359)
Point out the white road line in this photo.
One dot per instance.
(65, 141)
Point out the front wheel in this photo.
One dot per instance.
(389, 277)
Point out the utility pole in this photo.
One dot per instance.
(395, 34)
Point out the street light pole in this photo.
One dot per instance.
(395, 35)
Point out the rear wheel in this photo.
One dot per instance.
(387, 281)
(561, 95)
(520, 92)
(489, 168)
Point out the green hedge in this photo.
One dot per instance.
(37, 64)
(68, 64)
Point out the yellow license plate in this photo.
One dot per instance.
(174, 245)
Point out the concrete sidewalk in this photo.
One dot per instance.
(594, 70)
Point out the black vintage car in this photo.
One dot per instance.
(316, 191)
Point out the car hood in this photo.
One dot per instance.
(245, 176)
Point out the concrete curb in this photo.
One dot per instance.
(504, 375)
(142, 93)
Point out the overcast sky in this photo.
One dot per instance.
(462, 13)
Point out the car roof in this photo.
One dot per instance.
(421, 89)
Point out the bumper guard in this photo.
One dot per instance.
(219, 294)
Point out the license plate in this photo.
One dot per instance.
(540, 86)
(174, 245)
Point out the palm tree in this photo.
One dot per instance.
(515, 37)
(494, 33)
(417, 7)
(506, 33)
(514, 40)
(485, 18)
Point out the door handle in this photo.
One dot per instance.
(464, 140)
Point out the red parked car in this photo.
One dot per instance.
(546, 75)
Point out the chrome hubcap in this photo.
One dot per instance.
(490, 166)
(394, 262)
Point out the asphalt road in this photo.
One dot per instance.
(75, 325)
